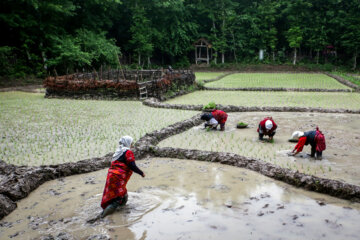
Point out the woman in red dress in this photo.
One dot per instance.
(122, 167)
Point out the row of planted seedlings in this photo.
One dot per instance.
(324, 100)
(37, 131)
(279, 80)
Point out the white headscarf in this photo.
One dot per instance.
(297, 134)
(268, 124)
(124, 145)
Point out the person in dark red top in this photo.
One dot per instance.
(316, 140)
(214, 118)
(267, 127)
(120, 171)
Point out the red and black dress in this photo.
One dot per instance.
(220, 116)
(316, 140)
(118, 175)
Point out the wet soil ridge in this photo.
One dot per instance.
(277, 89)
(344, 81)
(146, 146)
(153, 102)
(16, 182)
(327, 186)
(218, 78)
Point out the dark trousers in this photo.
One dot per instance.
(261, 135)
(313, 152)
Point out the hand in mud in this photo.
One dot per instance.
(143, 175)
(290, 154)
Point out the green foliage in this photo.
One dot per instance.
(85, 50)
(294, 37)
(74, 34)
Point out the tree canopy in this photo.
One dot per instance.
(39, 36)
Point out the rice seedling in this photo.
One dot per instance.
(49, 132)
(347, 100)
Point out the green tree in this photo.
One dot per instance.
(141, 34)
(294, 37)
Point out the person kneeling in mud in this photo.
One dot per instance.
(215, 118)
(120, 171)
(267, 127)
(316, 140)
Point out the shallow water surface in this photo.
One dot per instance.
(340, 159)
(182, 199)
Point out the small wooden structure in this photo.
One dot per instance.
(202, 47)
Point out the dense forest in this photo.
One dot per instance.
(68, 35)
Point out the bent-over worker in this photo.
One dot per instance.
(215, 118)
(316, 140)
(267, 127)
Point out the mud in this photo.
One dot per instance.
(340, 160)
(182, 200)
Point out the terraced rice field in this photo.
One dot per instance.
(340, 160)
(36, 131)
(330, 100)
(278, 80)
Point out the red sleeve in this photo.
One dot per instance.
(129, 155)
(300, 145)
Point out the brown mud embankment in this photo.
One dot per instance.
(153, 102)
(344, 81)
(16, 182)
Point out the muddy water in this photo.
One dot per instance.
(182, 199)
(340, 159)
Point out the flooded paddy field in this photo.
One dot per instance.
(340, 159)
(278, 80)
(346, 100)
(182, 199)
(36, 131)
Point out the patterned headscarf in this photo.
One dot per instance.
(124, 145)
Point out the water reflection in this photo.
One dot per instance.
(182, 199)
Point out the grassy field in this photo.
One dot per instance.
(278, 99)
(35, 130)
(278, 80)
(207, 75)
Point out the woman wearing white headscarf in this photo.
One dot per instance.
(120, 171)
(267, 127)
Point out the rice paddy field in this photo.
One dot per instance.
(330, 100)
(201, 76)
(36, 131)
(277, 80)
(340, 160)
(184, 199)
